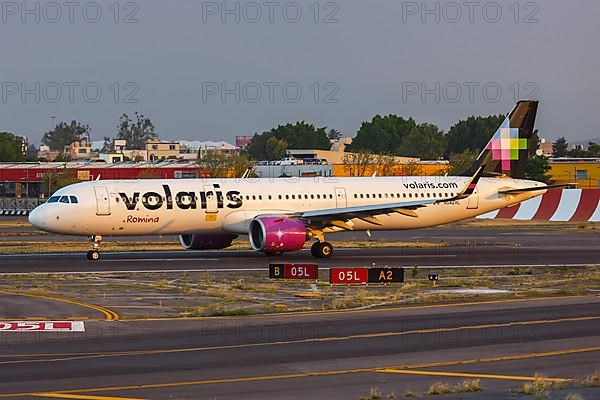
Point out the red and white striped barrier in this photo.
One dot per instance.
(555, 205)
(42, 326)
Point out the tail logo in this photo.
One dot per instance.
(505, 145)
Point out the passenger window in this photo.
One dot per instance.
(53, 199)
(379, 195)
(319, 196)
(64, 199)
(404, 195)
(74, 199)
(287, 196)
(312, 196)
(367, 195)
(361, 195)
(410, 195)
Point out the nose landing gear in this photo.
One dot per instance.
(94, 253)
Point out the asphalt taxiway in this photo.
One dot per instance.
(330, 355)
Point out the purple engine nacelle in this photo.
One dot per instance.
(206, 241)
(277, 234)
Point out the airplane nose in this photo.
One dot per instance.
(36, 218)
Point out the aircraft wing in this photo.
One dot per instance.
(535, 188)
(340, 216)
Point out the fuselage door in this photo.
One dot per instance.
(102, 200)
(473, 201)
(211, 199)
(340, 198)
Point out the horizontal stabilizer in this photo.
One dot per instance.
(535, 188)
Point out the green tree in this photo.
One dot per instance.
(217, 164)
(64, 134)
(275, 148)
(593, 149)
(136, 131)
(460, 162)
(10, 148)
(57, 180)
(472, 134)
(333, 134)
(269, 145)
(560, 147)
(424, 141)
(107, 146)
(383, 135)
(537, 169)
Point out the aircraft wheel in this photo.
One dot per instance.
(322, 250)
(93, 255)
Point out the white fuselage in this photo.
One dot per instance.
(183, 206)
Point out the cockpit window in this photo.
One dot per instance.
(64, 199)
(53, 199)
(73, 199)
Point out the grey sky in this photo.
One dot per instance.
(371, 61)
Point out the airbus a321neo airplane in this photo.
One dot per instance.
(280, 215)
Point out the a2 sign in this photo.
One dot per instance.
(339, 276)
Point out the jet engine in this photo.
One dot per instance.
(277, 234)
(206, 241)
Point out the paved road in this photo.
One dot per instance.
(318, 356)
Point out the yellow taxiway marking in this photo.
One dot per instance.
(108, 314)
(80, 396)
(92, 355)
(366, 310)
(468, 375)
(316, 374)
(412, 369)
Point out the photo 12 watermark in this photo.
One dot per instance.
(468, 91)
(54, 12)
(452, 12)
(68, 92)
(270, 12)
(270, 92)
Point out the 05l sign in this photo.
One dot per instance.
(293, 271)
(348, 275)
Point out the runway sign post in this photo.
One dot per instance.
(364, 275)
(348, 276)
(294, 271)
(386, 275)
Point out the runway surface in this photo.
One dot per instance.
(334, 355)
(465, 247)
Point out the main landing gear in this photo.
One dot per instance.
(94, 254)
(321, 249)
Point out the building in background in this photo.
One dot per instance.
(161, 150)
(191, 150)
(583, 171)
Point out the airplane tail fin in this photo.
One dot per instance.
(507, 152)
